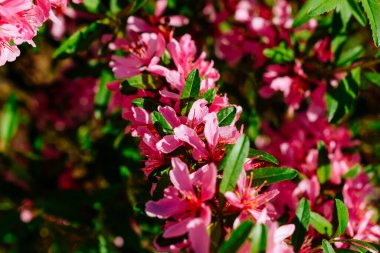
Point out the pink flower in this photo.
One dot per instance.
(276, 237)
(360, 225)
(19, 22)
(142, 53)
(190, 133)
(183, 53)
(248, 200)
(185, 204)
(324, 51)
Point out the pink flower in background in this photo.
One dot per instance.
(295, 144)
(361, 225)
(66, 104)
(184, 204)
(293, 83)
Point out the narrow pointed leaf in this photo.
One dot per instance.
(341, 217)
(357, 12)
(359, 243)
(372, 9)
(259, 239)
(226, 116)
(301, 221)
(159, 122)
(209, 95)
(191, 91)
(237, 238)
(327, 248)
(233, 165)
(319, 223)
(322, 6)
(262, 156)
(9, 119)
(303, 14)
(272, 175)
(80, 40)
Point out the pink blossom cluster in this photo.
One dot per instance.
(190, 149)
(244, 29)
(20, 21)
(253, 27)
(193, 144)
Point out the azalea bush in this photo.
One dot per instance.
(189, 126)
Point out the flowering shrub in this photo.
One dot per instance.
(220, 126)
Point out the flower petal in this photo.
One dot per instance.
(180, 177)
(198, 236)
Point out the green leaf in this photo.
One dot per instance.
(327, 248)
(350, 55)
(324, 165)
(322, 6)
(191, 91)
(302, 15)
(93, 6)
(357, 12)
(345, 13)
(301, 221)
(320, 224)
(359, 243)
(237, 238)
(262, 156)
(146, 103)
(345, 251)
(80, 40)
(103, 94)
(226, 116)
(341, 99)
(9, 119)
(162, 126)
(271, 175)
(259, 239)
(137, 4)
(372, 9)
(209, 95)
(233, 165)
(353, 172)
(373, 77)
(280, 54)
(142, 81)
(341, 217)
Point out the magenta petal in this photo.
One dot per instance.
(283, 232)
(188, 135)
(212, 130)
(141, 115)
(163, 208)
(177, 229)
(179, 176)
(170, 115)
(198, 236)
(197, 113)
(233, 199)
(208, 181)
(168, 144)
(138, 25)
